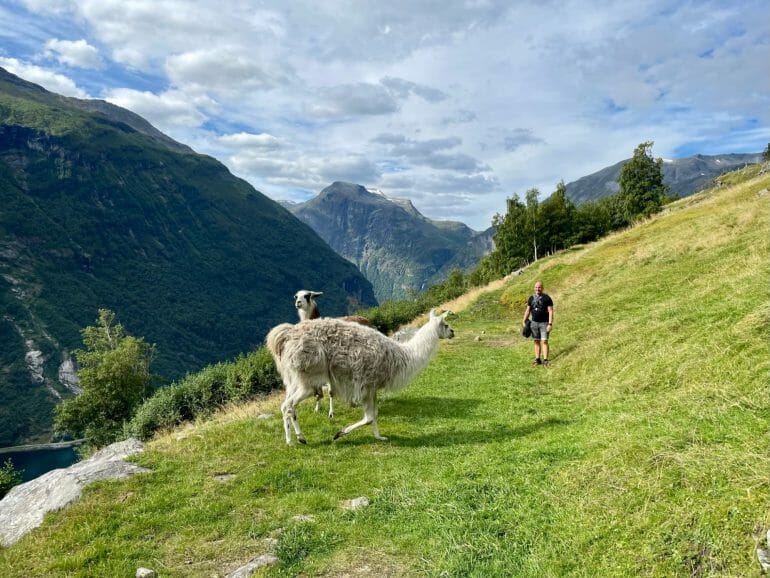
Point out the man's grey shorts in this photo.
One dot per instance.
(539, 330)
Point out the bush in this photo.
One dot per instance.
(391, 315)
(9, 477)
(202, 393)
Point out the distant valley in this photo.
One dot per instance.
(398, 250)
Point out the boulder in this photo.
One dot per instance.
(25, 506)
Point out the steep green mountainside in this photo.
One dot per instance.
(395, 247)
(684, 176)
(99, 213)
(641, 451)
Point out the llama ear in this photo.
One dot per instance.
(447, 313)
(316, 293)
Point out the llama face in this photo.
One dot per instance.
(445, 330)
(303, 299)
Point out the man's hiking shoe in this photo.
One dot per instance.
(537, 363)
(545, 363)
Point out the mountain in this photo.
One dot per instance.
(685, 176)
(98, 209)
(395, 247)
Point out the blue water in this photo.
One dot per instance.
(34, 463)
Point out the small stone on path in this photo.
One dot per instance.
(356, 503)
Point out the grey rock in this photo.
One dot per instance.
(248, 569)
(764, 559)
(145, 573)
(356, 503)
(24, 507)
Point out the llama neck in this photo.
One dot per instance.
(312, 314)
(421, 347)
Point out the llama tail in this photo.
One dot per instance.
(276, 339)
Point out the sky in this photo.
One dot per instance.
(455, 105)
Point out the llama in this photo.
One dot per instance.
(307, 308)
(355, 359)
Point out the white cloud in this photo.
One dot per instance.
(78, 53)
(243, 139)
(352, 100)
(50, 80)
(168, 111)
(221, 70)
(456, 108)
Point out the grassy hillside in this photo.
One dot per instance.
(641, 452)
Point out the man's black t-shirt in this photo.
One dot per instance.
(539, 307)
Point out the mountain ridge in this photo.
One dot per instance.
(399, 250)
(684, 176)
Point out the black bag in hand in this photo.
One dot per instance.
(526, 331)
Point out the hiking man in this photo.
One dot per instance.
(540, 306)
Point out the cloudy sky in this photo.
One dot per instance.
(453, 104)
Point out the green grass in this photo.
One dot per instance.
(641, 452)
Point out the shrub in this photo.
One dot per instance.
(202, 393)
(391, 315)
(9, 477)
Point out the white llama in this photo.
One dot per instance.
(355, 359)
(307, 308)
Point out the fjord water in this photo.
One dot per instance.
(34, 461)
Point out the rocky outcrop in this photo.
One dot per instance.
(68, 374)
(24, 507)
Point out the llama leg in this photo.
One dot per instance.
(375, 428)
(296, 399)
(369, 416)
(331, 402)
(286, 417)
(289, 409)
(319, 395)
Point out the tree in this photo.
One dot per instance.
(557, 218)
(511, 245)
(114, 372)
(766, 153)
(533, 219)
(642, 191)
